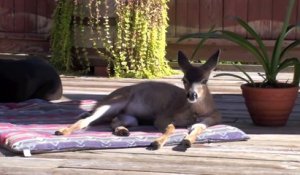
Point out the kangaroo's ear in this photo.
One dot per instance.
(183, 62)
(212, 62)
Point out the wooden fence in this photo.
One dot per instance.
(25, 24)
(189, 16)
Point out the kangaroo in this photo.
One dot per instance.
(26, 78)
(164, 105)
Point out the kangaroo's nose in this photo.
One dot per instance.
(192, 95)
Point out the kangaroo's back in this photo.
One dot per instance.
(150, 100)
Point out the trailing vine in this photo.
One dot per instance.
(141, 39)
(135, 45)
(61, 37)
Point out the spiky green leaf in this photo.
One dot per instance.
(201, 43)
(279, 41)
(290, 28)
(257, 38)
(290, 46)
(246, 74)
(243, 42)
(291, 62)
(232, 75)
(286, 63)
(296, 79)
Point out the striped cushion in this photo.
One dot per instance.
(31, 125)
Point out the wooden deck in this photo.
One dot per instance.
(271, 150)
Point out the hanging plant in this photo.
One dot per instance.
(141, 41)
(135, 46)
(61, 35)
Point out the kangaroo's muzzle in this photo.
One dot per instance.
(192, 96)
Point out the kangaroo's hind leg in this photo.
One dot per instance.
(120, 123)
(103, 113)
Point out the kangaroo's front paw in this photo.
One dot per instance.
(186, 143)
(155, 145)
(63, 131)
(121, 131)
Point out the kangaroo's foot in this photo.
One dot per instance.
(186, 142)
(161, 141)
(157, 144)
(80, 124)
(121, 131)
(197, 129)
(63, 131)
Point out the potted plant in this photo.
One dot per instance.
(269, 102)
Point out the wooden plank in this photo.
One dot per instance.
(165, 163)
(21, 166)
(181, 17)
(193, 13)
(279, 13)
(186, 165)
(24, 46)
(45, 8)
(211, 14)
(215, 150)
(7, 15)
(298, 19)
(30, 14)
(216, 84)
(230, 51)
(19, 16)
(20, 36)
(171, 30)
(51, 4)
(235, 8)
(67, 171)
(47, 163)
(260, 16)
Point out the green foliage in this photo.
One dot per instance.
(140, 47)
(135, 47)
(61, 37)
(272, 64)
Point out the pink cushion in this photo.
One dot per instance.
(31, 125)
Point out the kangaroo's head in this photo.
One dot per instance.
(195, 78)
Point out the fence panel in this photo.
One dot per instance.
(266, 16)
(25, 26)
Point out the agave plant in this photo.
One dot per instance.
(272, 64)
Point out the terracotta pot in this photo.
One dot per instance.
(269, 106)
